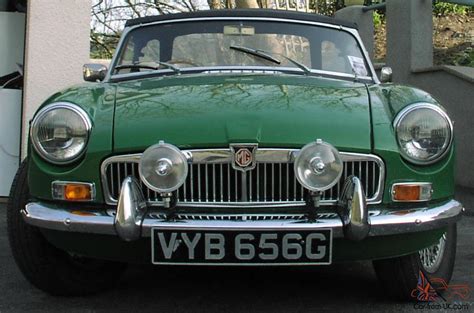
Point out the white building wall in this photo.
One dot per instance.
(57, 45)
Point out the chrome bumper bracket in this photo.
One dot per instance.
(131, 209)
(352, 209)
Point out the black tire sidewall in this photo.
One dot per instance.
(399, 276)
(446, 267)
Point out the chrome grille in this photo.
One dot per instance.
(244, 217)
(212, 181)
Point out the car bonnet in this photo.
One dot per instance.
(203, 111)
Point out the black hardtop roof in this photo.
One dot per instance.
(292, 15)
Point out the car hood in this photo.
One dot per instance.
(204, 111)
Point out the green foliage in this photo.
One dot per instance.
(443, 8)
(466, 58)
(471, 58)
(378, 18)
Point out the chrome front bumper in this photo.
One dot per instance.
(382, 222)
(353, 221)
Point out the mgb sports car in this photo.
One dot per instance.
(235, 138)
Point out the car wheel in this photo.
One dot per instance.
(400, 276)
(50, 269)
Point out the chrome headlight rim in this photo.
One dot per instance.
(424, 105)
(39, 117)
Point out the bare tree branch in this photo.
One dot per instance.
(133, 7)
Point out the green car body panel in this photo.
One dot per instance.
(205, 111)
(213, 111)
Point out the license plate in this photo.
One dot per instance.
(241, 247)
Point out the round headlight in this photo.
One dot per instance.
(60, 131)
(318, 166)
(163, 168)
(424, 133)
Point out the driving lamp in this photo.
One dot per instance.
(424, 133)
(318, 166)
(163, 168)
(60, 132)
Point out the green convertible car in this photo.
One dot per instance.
(236, 138)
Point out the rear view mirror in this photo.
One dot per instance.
(94, 72)
(386, 74)
(239, 30)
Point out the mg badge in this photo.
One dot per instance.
(243, 156)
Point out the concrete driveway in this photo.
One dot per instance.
(347, 287)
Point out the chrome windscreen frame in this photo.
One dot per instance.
(373, 75)
(263, 155)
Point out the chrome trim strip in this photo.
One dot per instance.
(263, 155)
(244, 70)
(160, 215)
(352, 31)
(383, 223)
(240, 204)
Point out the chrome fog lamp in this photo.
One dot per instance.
(318, 166)
(163, 168)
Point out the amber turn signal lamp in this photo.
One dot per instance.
(411, 192)
(73, 191)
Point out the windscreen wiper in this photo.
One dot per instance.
(267, 56)
(150, 67)
(257, 53)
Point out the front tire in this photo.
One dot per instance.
(48, 268)
(400, 276)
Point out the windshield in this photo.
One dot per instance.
(241, 43)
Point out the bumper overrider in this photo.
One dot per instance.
(353, 221)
